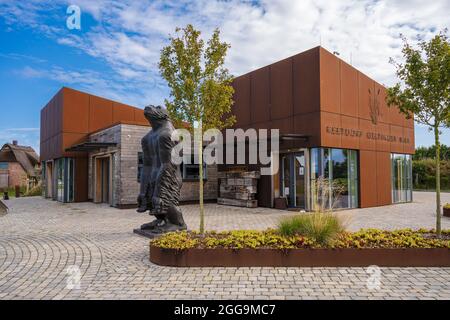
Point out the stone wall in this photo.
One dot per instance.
(16, 175)
(131, 136)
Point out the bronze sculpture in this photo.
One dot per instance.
(160, 178)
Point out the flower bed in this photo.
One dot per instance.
(270, 248)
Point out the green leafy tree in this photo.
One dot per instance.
(200, 86)
(430, 152)
(424, 92)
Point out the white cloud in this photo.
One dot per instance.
(366, 32)
(24, 136)
(130, 34)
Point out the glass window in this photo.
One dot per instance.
(339, 170)
(401, 165)
(60, 180)
(3, 165)
(191, 171)
(65, 179)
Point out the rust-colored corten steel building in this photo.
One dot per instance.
(67, 120)
(335, 123)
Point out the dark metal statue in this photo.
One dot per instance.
(160, 177)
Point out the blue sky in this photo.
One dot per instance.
(116, 51)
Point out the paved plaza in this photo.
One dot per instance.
(46, 247)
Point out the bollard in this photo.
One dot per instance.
(17, 189)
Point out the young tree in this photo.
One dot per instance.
(200, 87)
(424, 92)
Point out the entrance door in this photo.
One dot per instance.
(293, 179)
(102, 183)
(49, 179)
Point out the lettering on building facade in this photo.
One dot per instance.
(348, 132)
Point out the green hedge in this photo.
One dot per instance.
(252, 239)
(424, 174)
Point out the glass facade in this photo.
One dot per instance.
(337, 171)
(64, 179)
(292, 183)
(401, 168)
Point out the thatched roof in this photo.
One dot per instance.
(24, 155)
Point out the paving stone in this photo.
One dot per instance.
(46, 246)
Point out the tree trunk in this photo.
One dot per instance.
(200, 171)
(438, 182)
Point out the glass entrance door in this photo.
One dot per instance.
(293, 179)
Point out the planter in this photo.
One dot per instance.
(446, 212)
(409, 257)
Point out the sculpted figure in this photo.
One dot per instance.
(160, 178)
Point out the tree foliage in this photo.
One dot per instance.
(425, 76)
(424, 91)
(200, 85)
(430, 152)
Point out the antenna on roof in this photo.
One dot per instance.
(351, 58)
(336, 53)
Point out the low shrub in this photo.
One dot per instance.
(323, 227)
(35, 191)
(404, 238)
(272, 239)
(176, 240)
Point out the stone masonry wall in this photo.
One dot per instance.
(131, 136)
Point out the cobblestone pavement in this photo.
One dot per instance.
(43, 244)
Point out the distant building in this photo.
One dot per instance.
(19, 166)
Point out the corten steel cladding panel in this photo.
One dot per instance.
(76, 112)
(260, 95)
(366, 87)
(368, 178)
(330, 83)
(122, 112)
(281, 104)
(241, 106)
(72, 115)
(349, 142)
(348, 94)
(306, 81)
(100, 113)
(381, 93)
(384, 193)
